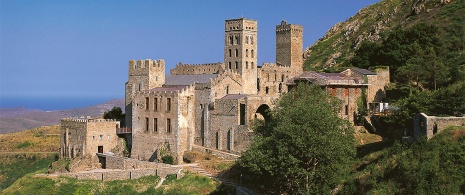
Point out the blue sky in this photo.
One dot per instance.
(81, 48)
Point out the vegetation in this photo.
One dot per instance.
(115, 113)
(189, 184)
(301, 155)
(42, 139)
(168, 159)
(15, 166)
(437, 165)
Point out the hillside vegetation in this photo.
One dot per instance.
(375, 23)
(436, 165)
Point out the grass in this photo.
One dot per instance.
(42, 139)
(190, 184)
(15, 166)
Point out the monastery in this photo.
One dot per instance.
(213, 105)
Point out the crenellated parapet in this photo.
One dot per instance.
(144, 67)
(87, 120)
(285, 27)
(190, 69)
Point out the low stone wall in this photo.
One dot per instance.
(217, 153)
(425, 125)
(110, 175)
(117, 162)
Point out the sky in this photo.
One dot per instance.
(81, 49)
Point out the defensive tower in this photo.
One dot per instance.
(240, 51)
(143, 75)
(289, 44)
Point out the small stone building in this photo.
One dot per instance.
(424, 125)
(81, 137)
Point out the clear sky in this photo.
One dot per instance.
(82, 48)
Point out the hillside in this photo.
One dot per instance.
(19, 119)
(375, 22)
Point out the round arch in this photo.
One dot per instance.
(263, 113)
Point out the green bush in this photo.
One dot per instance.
(167, 159)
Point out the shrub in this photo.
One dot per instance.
(167, 159)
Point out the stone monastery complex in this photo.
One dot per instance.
(212, 106)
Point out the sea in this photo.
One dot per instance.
(51, 103)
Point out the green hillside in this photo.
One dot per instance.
(375, 23)
(436, 166)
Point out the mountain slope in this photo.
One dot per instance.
(372, 23)
(19, 119)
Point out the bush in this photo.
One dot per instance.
(167, 159)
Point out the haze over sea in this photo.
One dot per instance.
(52, 103)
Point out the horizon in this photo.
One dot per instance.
(80, 50)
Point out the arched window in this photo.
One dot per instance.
(238, 40)
(282, 78)
(252, 54)
(251, 40)
(247, 39)
(229, 65)
(237, 53)
(230, 52)
(231, 40)
(237, 65)
(252, 65)
(246, 65)
(247, 53)
(227, 89)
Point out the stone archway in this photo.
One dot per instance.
(263, 113)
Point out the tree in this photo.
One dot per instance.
(114, 113)
(305, 148)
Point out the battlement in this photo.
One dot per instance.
(283, 27)
(240, 24)
(145, 64)
(190, 69)
(167, 90)
(87, 120)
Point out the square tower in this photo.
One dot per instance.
(240, 51)
(289, 44)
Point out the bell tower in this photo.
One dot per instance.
(240, 51)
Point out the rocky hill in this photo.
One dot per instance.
(371, 23)
(19, 119)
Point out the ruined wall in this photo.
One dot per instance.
(101, 132)
(428, 126)
(189, 69)
(272, 79)
(162, 125)
(227, 83)
(124, 174)
(79, 137)
(202, 101)
(349, 96)
(377, 89)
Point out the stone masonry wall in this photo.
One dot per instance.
(377, 89)
(190, 69)
(428, 126)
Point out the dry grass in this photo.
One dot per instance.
(363, 137)
(41, 139)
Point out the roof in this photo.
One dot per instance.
(178, 88)
(233, 96)
(188, 79)
(363, 71)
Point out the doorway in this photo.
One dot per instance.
(100, 149)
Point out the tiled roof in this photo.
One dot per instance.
(177, 88)
(177, 80)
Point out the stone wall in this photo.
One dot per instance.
(377, 89)
(217, 153)
(143, 75)
(110, 175)
(348, 95)
(160, 128)
(272, 79)
(428, 126)
(80, 137)
(289, 45)
(189, 69)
